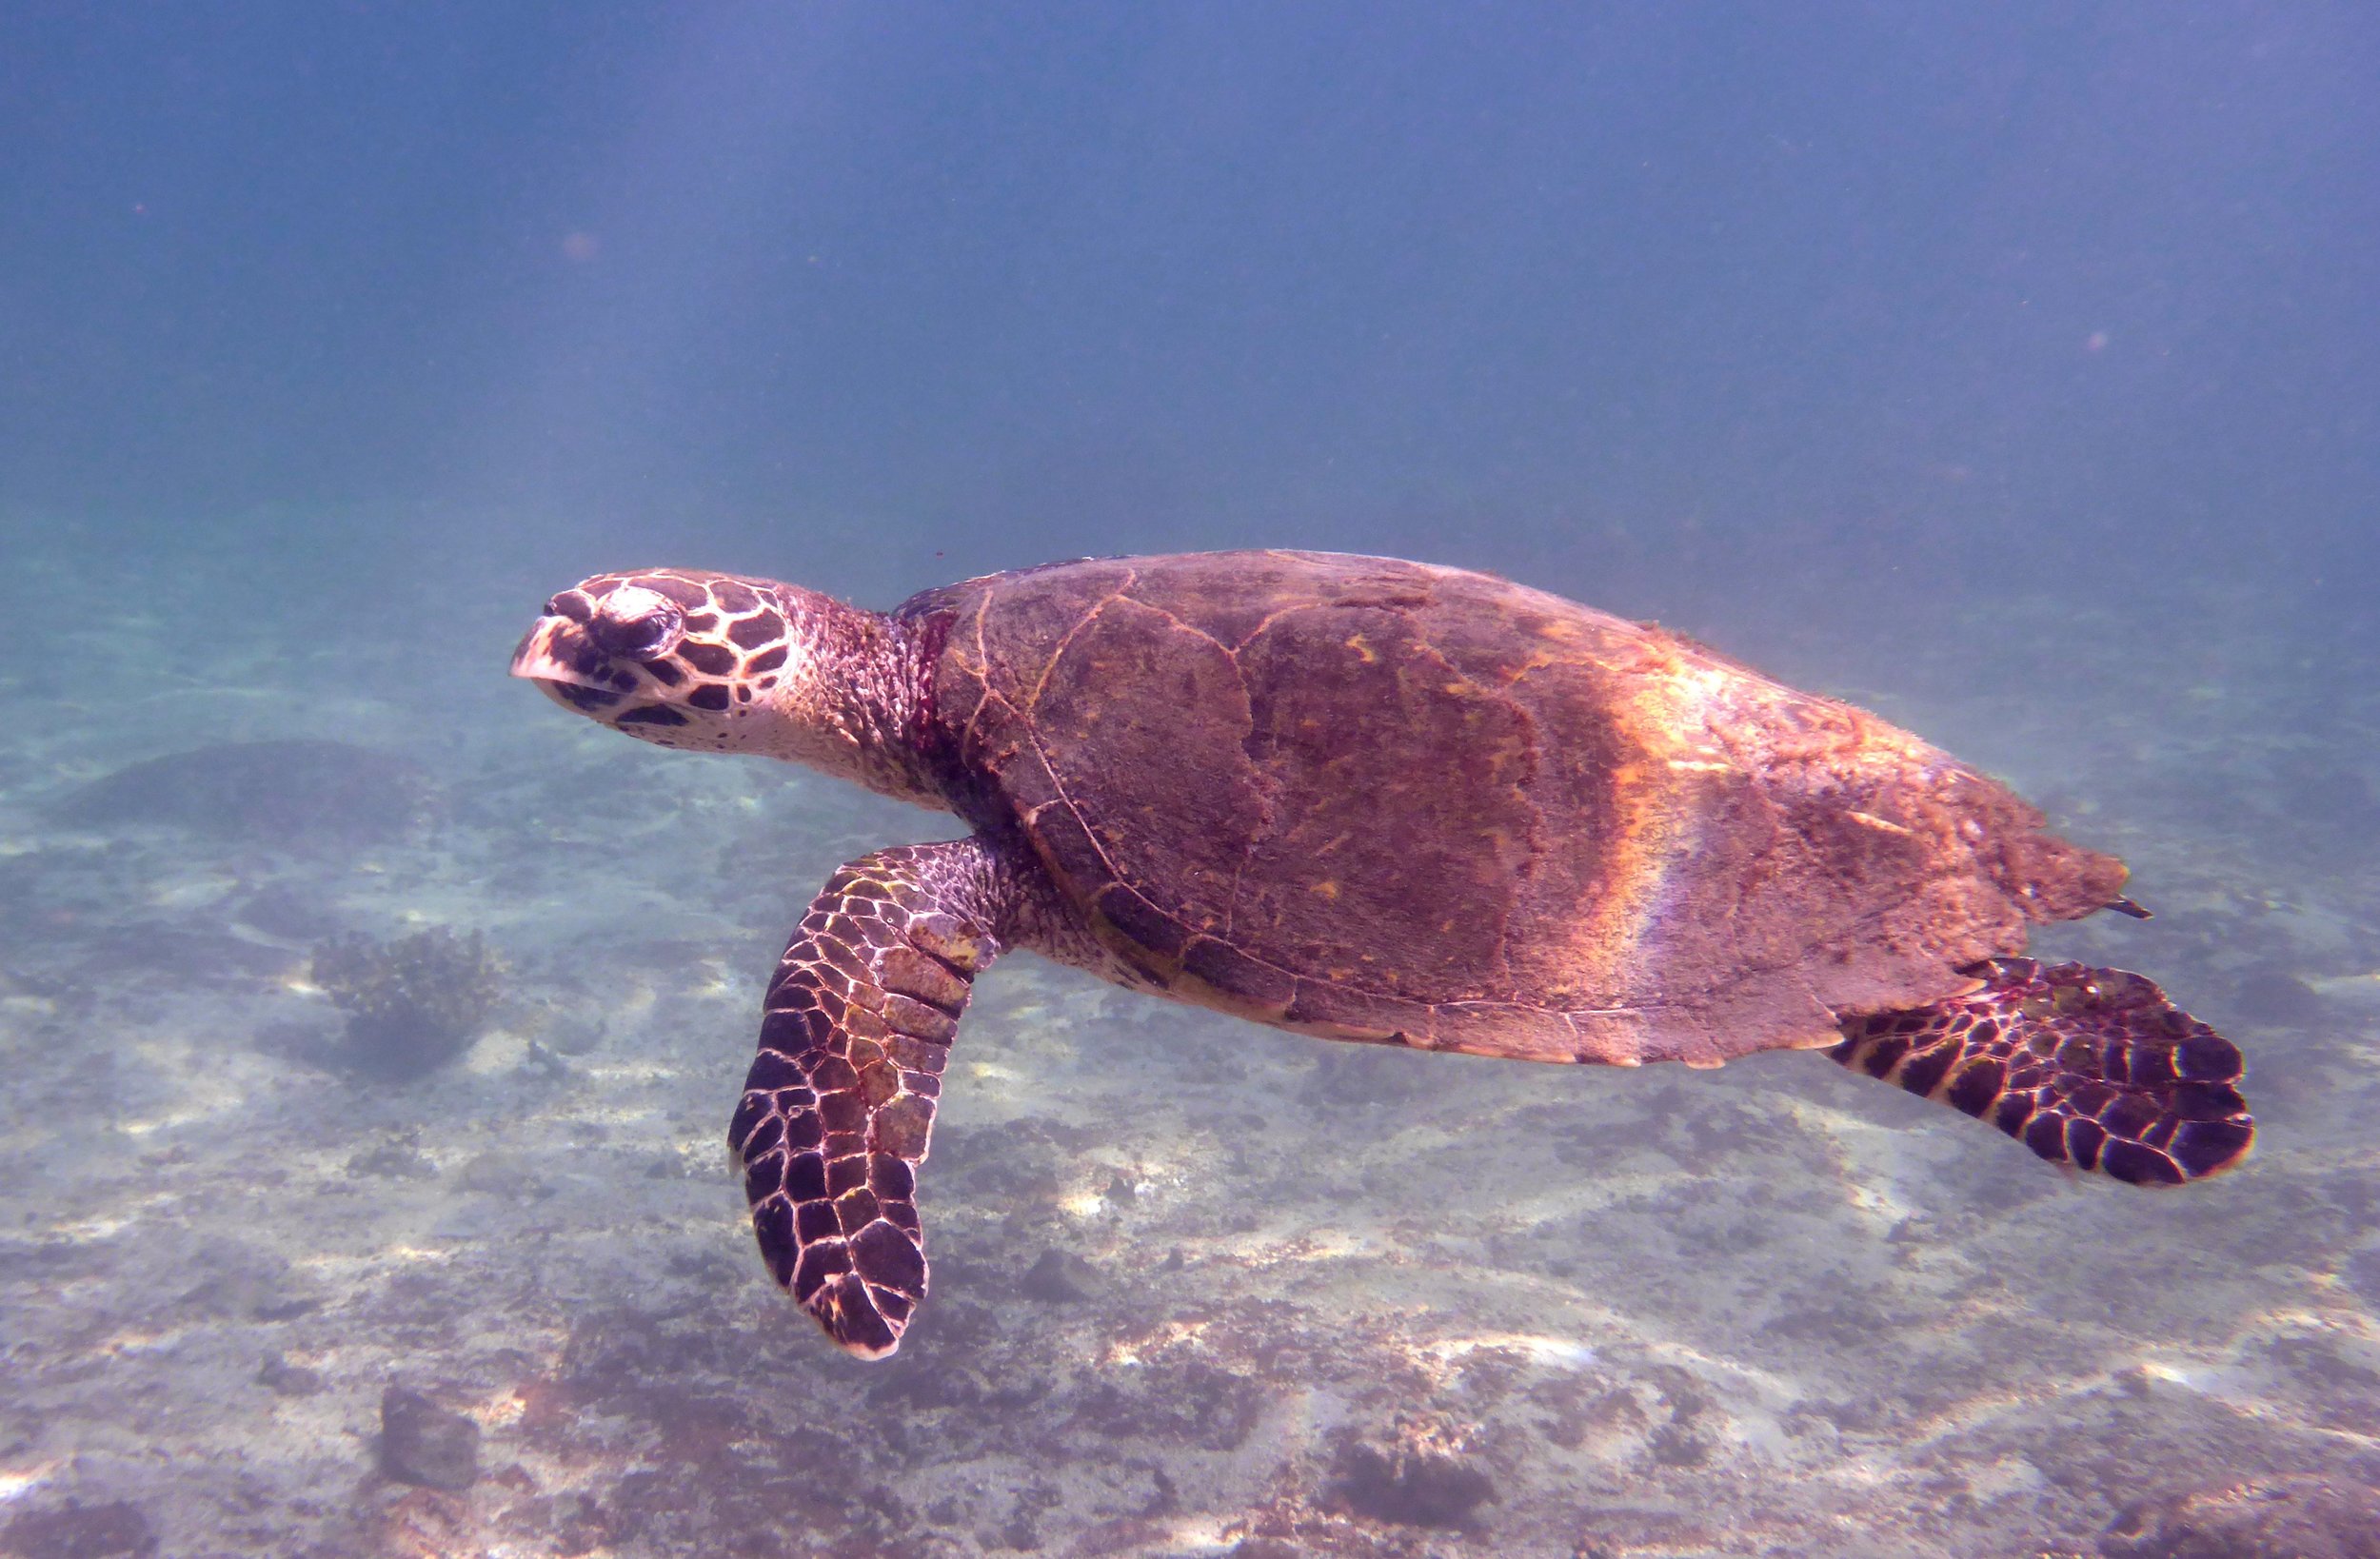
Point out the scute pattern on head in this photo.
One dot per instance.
(650, 652)
(1377, 800)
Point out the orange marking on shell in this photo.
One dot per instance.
(1611, 928)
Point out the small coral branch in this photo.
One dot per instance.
(412, 1004)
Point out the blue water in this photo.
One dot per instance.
(2013, 371)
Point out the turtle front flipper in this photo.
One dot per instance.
(837, 1108)
(2088, 1067)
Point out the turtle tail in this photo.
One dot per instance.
(2088, 1067)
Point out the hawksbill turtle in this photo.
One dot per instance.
(1366, 800)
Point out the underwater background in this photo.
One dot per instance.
(369, 1027)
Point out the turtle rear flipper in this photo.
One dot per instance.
(840, 1100)
(2088, 1067)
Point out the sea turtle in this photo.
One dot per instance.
(1366, 800)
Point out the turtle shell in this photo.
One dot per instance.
(1377, 799)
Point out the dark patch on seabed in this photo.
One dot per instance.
(1199, 1289)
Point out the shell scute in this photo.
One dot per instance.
(1372, 798)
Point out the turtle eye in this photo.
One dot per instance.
(636, 623)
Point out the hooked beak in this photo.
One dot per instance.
(561, 656)
(558, 650)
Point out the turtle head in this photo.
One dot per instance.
(675, 656)
(717, 663)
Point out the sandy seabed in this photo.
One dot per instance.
(1199, 1288)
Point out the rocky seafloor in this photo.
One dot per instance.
(282, 1277)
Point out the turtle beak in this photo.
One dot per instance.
(562, 659)
(558, 650)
